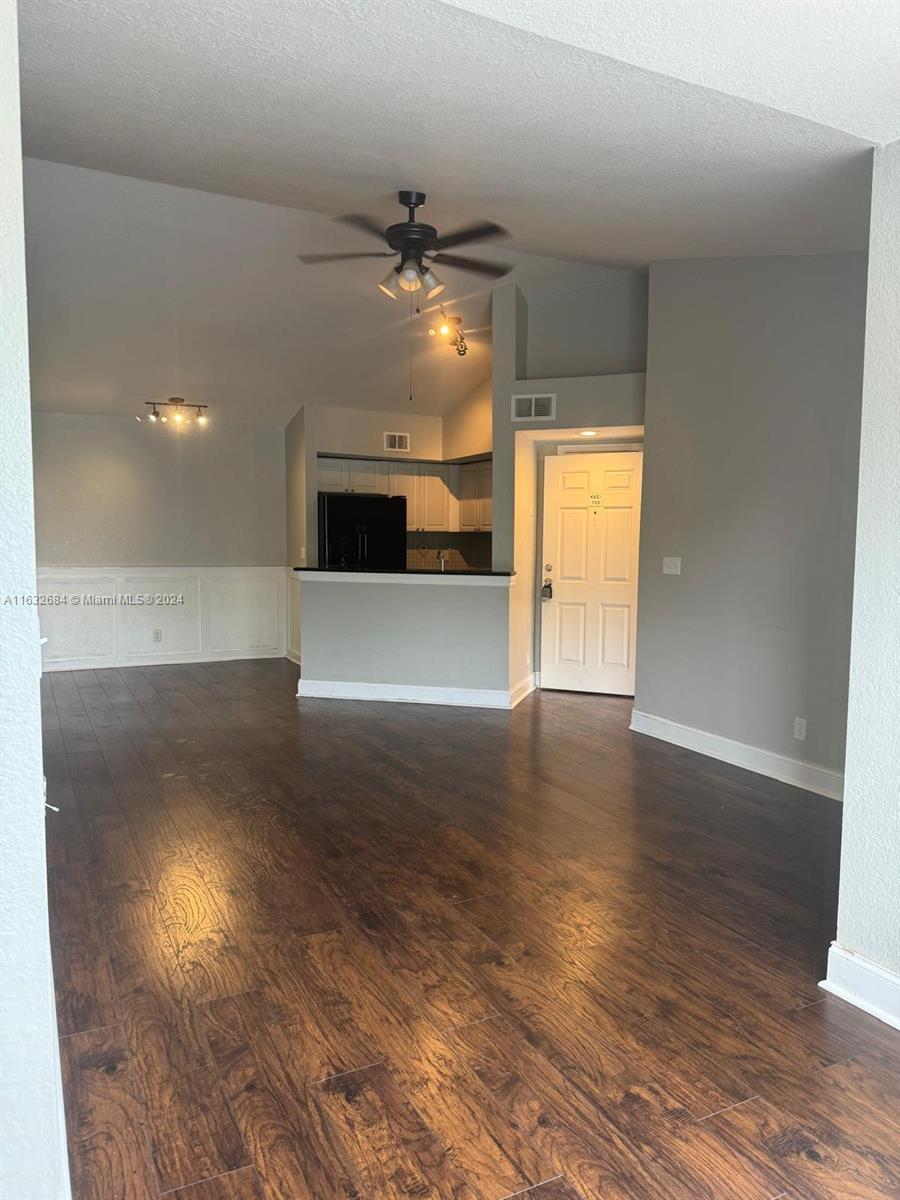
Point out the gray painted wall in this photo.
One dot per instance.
(600, 329)
(427, 635)
(467, 427)
(751, 446)
(110, 491)
(869, 908)
(33, 1159)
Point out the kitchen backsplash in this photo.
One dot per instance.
(462, 551)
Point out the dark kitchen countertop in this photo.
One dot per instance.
(412, 571)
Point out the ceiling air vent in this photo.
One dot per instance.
(396, 441)
(534, 408)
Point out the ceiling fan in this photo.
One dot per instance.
(419, 246)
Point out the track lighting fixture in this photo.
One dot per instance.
(451, 329)
(179, 409)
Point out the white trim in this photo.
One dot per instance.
(339, 689)
(777, 766)
(519, 691)
(410, 577)
(598, 447)
(863, 983)
(293, 655)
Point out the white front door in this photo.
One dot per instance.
(592, 506)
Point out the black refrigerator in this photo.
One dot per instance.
(362, 533)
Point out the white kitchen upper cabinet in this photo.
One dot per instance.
(403, 480)
(368, 477)
(353, 475)
(434, 498)
(468, 497)
(485, 495)
(334, 475)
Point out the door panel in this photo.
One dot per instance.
(468, 496)
(485, 495)
(570, 639)
(403, 481)
(573, 544)
(435, 498)
(367, 477)
(333, 475)
(590, 553)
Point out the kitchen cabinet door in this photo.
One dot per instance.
(403, 480)
(333, 475)
(468, 497)
(367, 477)
(434, 497)
(485, 496)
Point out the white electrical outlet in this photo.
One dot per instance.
(671, 566)
(157, 635)
(800, 728)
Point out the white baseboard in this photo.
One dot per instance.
(522, 689)
(293, 655)
(777, 766)
(334, 689)
(863, 983)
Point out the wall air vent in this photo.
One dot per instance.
(534, 408)
(396, 441)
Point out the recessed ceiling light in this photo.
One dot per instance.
(588, 433)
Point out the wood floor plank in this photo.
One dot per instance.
(243, 1184)
(109, 1149)
(192, 1133)
(373, 950)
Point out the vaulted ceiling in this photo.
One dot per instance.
(611, 134)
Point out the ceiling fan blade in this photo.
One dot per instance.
(471, 233)
(321, 258)
(366, 224)
(476, 265)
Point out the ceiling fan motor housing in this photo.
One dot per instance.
(411, 239)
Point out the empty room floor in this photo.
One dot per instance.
(323, 949)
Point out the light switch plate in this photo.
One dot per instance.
(671, 566)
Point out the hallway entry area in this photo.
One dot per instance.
(333, 949)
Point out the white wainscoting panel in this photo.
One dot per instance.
(293, 610)
(227, 612)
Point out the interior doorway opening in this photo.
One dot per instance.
(534, 448)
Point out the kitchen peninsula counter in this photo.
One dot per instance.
(420, 636)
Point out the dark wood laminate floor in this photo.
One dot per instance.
(328, 949)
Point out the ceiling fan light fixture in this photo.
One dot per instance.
(410, 277)
(390, 285)
(433, 286)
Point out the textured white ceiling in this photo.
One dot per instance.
(330, 105)
(139, 290)
(836, 62)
